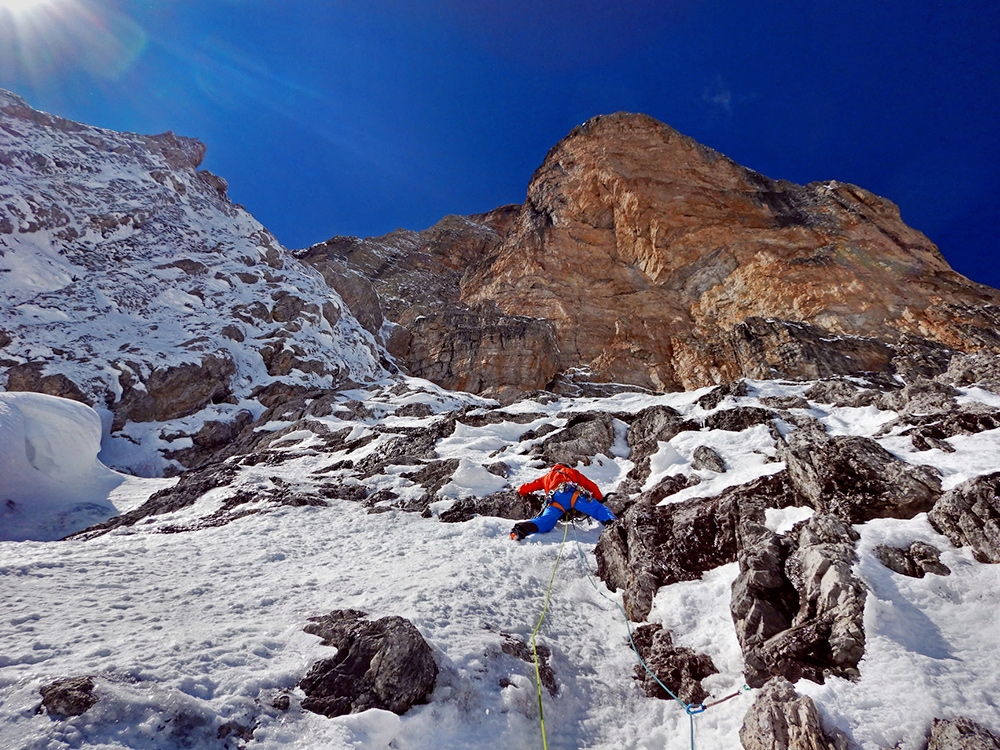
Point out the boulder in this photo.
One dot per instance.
(383, 664)
(961, 734)
(781, 719)
(72, 696)
(585, 435)
(857, 479)
(969, 515)
(797, 605)
(708, 458)
(679, 669)
(503, 504)
(915, 561)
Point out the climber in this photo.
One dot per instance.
(565, 489)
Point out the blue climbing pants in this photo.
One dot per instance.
(561, 499)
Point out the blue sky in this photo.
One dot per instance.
(360, 117)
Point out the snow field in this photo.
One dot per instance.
(189, 631)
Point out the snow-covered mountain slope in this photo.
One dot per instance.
(189, 615)
(129, 281)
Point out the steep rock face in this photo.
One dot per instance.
(405, 287)
(649, 252)
(642, 257)
(129, 281)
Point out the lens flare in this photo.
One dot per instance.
(40, 40)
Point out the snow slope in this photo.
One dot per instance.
(189, 633)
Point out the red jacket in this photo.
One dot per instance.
(556, 476)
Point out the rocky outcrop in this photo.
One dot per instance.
(781, 719)
(383, 664)
(961, 734)
(655, 545)
(856, 479)
(642, 257)
(969, 515)
(797, 604)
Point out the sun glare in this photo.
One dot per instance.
(21, 6)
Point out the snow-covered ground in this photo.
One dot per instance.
(188, 631)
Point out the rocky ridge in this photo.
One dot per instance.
(130, 282)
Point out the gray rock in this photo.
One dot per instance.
(797, 605)
(503, 504)
(648, 429)
(584, 436)
(680, 669)
(705, 457)
(969, 514)
(383, 664)
(718, 394)
(974, 369)
(857, 479)
(961, 734)
(738, 419)
(841, 393)
(781, 719)
(916, 561)
(70, 697)
(653, 545)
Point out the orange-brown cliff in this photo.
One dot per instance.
(643, 257)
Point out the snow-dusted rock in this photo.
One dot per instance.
(969, 515)
(961, 734)
(128, 280)
(385, 664)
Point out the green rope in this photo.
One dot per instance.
(534, 650)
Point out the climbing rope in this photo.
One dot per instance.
(534, 649)
(690, 708)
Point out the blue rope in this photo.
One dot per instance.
(690, 708)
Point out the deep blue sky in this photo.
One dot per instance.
(360, 117)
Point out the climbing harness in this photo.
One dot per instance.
(691, 709)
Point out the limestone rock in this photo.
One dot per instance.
(797, 604)
(857, 479)
(680, 669)
(705, 457)
(915, 561)
(584, 436)
(69, 697)
(656, 545)
(781, 719)
(969, 515)
(383, 664)
(961, 734)
(654, 258)
(503, 504)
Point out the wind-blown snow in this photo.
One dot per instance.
(189, 632)
(51, 483)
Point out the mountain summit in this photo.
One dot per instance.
(640, 256)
